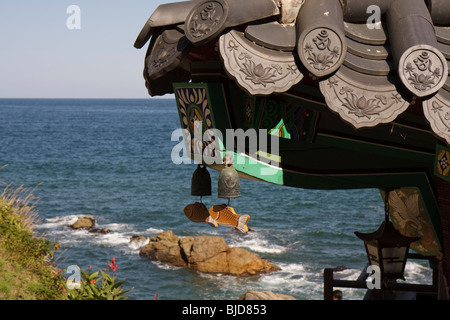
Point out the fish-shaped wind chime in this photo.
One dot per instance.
(228, 187)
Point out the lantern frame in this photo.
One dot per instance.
(387, 248)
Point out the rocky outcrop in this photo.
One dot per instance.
(207, 254)
(87, 223)
(84, 222)
(164, 248)
(265, 295)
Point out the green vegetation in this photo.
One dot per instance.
(98, 285)
(27, 270)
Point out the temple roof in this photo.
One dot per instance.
(369, 71)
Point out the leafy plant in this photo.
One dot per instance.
(98, 285)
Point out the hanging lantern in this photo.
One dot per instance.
(387, 248)
(229, 185)
(201, 182)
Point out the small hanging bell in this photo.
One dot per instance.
(201, 182)
(229, 185)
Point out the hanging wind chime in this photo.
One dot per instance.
(200, 186)
(228, 188)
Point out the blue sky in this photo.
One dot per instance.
(41, 58)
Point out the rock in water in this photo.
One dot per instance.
(205, 254)
(88, 222)
(84, 222)
(99, 231)
(164, 248)
(137, 241)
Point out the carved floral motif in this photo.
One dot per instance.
(205, 20)
(160, 57)
(322, 50)
(423, 72)
(256, 69)
(437, 112)
(411, 219)
(166, 53)
(422, 75)
(257, 73)
(361, 106)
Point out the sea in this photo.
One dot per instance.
(111, 159)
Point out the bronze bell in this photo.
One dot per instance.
(201, 182)
(229, 185)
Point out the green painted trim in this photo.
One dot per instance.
(256, 168)
(212, 105)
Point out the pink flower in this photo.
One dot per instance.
(113, 265)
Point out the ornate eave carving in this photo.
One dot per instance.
(166, 54)
(321, 44)
(206, 21)
(322, 52)
(365, 74)
(168, 14)
(362, 100)
(256, 69)
(423, 70)
(209, 18)
(437, 111)
(421, 66)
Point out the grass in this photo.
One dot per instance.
(26, 259)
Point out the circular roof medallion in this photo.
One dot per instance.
(423, 70)
(206, 20)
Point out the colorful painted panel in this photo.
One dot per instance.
(196, 119)
(410, 217)
(442, 165)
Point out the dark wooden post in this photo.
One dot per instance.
(328, 284)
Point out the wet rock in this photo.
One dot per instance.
(137, 241)
(84, 222)
(265, 295)
(340, 268)
(164, 248)
(206, 247)
(99, 230)
(205, 254)
(87, 223)
(186, 247)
